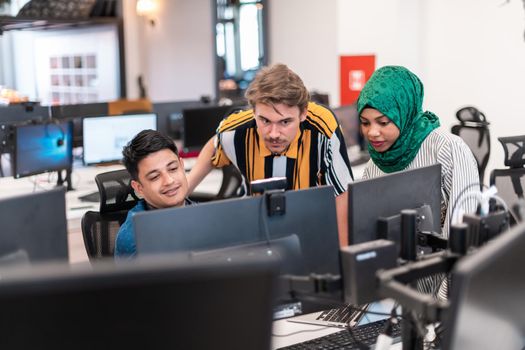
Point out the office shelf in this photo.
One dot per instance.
(20, 23)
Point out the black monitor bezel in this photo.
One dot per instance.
(382, 191)
(226, 110)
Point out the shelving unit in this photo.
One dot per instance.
(19, 23)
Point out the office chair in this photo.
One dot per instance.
(473, 129)
(230, 187)
(510, 182)
(99, 229)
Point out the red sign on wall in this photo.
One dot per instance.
(354, 73)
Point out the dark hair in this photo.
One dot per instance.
(142, 145)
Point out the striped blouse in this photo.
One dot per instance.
(317, 155)
(459, 179)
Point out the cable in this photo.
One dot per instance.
(459, 197)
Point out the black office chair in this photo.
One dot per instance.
(510, 182)
(99, 229)
(473, 129)
(230, 187)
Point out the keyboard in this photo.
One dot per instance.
(340, 315)
(366, 334)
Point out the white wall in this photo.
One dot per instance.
(302, 34)
(175, 56)
(468, 52)
(474, 54)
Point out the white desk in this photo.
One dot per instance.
(287, 333)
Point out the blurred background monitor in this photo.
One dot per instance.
(486, 303)
(75, 113)
(151, 305)
(349, 120)
(200, 124)
(306, 231)
(170, 116)
(41, 148)
(34, 227)
(374, 205)
(104, 137)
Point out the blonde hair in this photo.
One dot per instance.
(278, 84)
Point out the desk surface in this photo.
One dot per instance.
(287, 333)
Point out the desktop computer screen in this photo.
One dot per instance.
(41, 148)
(169, 116)
(34, 225)
(104, 137)
(349, 121)
(151, 305)
(486, 303)
(200, 124)
(305, 235)
(75, 113)
(374, 205)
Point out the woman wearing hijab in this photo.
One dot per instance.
(402, 136)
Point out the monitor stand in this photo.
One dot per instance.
(61, 180)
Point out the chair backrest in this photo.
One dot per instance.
(99, 233)
(231, 182)
(99, 229)
(473, 129)
(231, 186)
(510, 182)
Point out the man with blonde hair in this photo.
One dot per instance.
(284, 134)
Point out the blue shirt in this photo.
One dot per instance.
(125, 246)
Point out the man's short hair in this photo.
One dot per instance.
(142, 145)
(278, 84)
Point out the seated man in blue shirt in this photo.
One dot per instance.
(157, 175)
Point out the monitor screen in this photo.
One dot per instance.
(151, 305)
(486, 302)
(40, 148)
(350, 125)
(34, 225)
(75, 113)
(380, 200)
(245, 221)
(200, 124)
(170, 116)
(105, 137)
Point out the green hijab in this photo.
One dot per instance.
(398, 94)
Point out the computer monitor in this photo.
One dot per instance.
(486, 304)
(35, 225)
(170, 116)
(151, 305)
(105, 137)
(41, 148)
(349, 121)
(200, 125)
(309, 218)
(75, 113)
(374, 205)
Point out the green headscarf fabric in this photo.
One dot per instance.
(398, 94)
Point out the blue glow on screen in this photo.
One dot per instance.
(39, 148)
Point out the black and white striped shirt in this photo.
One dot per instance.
(317, 156)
